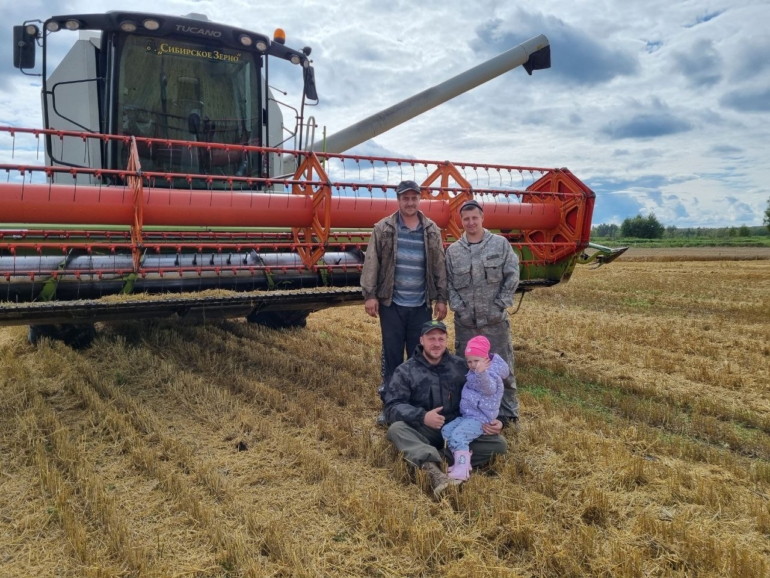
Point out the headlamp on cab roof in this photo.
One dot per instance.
(261, 45)
(72, 24)
(151, 24)
(245, 40)
(52, 26)
(128, 26)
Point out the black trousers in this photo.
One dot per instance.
(400, 328)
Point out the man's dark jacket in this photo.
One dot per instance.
(418, 387)
(378, 275)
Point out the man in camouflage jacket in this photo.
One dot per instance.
(482, 276)
(423, 395)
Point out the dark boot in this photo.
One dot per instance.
(438, 479)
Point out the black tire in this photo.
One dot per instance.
(75, 336)
(279, 319)
(38, 332)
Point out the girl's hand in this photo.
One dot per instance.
(483, 365)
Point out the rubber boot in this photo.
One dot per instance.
(462, 468)
(449, 470)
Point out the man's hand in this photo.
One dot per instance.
(493, 428)
(433, 419)
(372, 307)
(439, 311)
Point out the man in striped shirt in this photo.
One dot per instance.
(402, 276)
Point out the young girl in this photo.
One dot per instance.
(479, 404)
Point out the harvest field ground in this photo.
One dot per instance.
(227, 449)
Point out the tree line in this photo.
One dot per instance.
(650, 227)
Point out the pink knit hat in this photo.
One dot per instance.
(478, 346)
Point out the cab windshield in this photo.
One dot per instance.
(180, 90)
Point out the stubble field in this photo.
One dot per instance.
(170, 449)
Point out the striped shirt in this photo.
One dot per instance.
(409, 282)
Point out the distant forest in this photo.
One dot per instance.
(649, 227)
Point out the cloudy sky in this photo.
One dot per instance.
(659, 106)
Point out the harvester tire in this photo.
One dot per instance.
(75, 336)
(279, 319)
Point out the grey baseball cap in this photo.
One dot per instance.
(405, 186)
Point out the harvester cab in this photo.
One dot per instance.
(169, 186)
(179, 79)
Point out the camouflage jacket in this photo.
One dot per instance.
(418, 387)
(379, 271)
(481, 278)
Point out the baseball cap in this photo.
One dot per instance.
(471, 205)
(431, 325)
(405, 186)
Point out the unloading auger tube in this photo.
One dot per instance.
(533, 54)
(84, 252)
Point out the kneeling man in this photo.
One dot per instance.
(422, 396)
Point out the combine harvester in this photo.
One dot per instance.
(170, 186)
